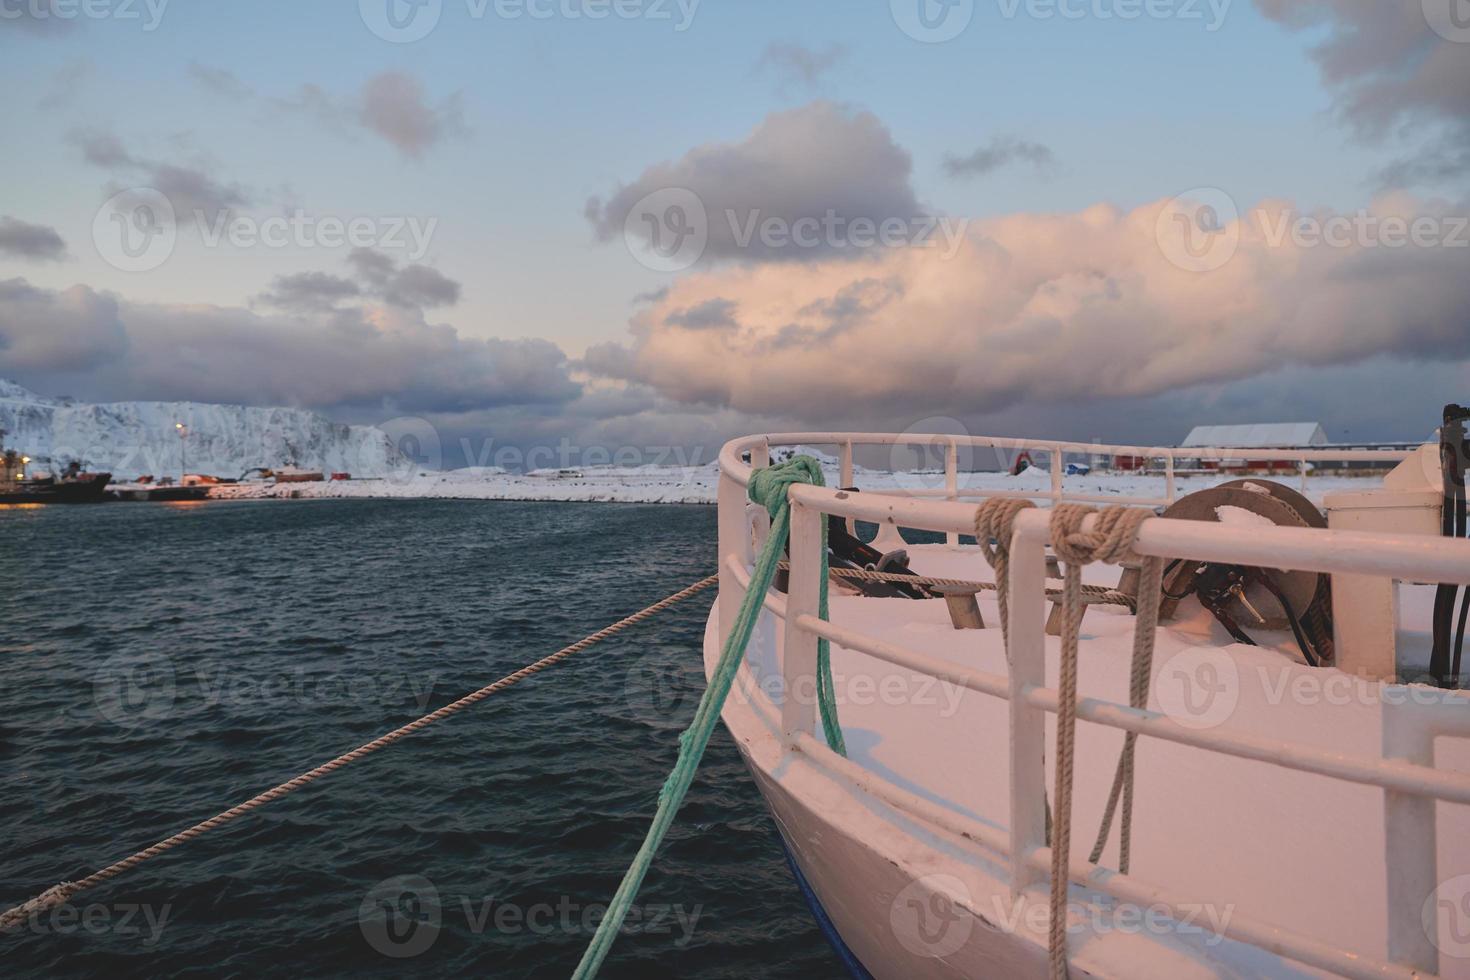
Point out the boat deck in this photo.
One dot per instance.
(1278, 845)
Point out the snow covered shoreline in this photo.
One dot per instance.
(697, 485)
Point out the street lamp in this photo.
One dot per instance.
(183, 435)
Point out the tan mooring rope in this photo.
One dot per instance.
(1110, 541)
(61, 893)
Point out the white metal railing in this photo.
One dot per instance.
(1405, 771)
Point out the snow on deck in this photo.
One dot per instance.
(1303, 851)
(697, 484)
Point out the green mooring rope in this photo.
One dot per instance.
(768, 488)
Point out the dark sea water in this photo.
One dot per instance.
(161, 662)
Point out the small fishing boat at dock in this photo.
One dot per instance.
(1269, 680)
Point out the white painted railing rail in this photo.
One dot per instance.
(1405, 771)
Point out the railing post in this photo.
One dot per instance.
(848, 479)
(799, 651)
(1170, 490)
(1410, 846)
(1056, 474)
(734, 531)
(952, 482)
(1302, 464)
(760, 458)
(1027, 656)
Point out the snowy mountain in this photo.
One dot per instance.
(129, 439)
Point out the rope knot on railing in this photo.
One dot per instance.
(1110, 541)
(769, 484)
(994, 521)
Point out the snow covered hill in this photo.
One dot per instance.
(129, 439)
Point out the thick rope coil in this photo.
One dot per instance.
(59, 894)
(1111, 540)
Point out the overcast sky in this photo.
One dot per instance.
(666, 222)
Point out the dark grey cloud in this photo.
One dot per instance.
(712, 314)
(310, 292)
(806, 164)
(101, 348)
(394, 107)
(1392, 76)
(391, 105)
(797, 66)
(413, 286)
(194, 194)
(44, 331)
(1000, 152)
(23, 240)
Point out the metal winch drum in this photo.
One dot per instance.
(1251, 599)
